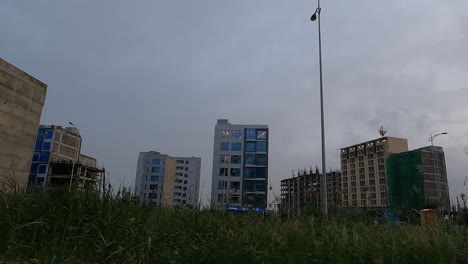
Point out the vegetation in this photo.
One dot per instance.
(91, 228)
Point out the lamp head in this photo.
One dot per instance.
(313, 17)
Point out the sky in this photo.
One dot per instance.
(156, 75)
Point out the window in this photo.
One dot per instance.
(224, 146)
(223, 171)
(46, 146)
(222, 185)
(237, 134)
(185, 175)
(236, 146)
(153, 186)
(156, 161)
(261, 134)
(38, 145)
(235, 159)
(35, 156)
(154, 177)
(186, 162)
(235, 172)
(155, 169)
(225, 133)
(220, 198)
(42, 169)
(234, 185)
(44, 157)
(255, 172)
(48, 134)
(250, 133)
(255, 159)
(250, 147)
(186, 168)
(224, 159)
(261, 146)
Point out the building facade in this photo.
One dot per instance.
(165, 180)
(21, 100)
(364, 179)
(417, 179)
(304, 191)
(57, 160)
(240, 166)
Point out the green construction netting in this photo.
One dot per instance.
(405, 180)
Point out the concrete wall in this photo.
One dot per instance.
(21, 100)
(169, 177)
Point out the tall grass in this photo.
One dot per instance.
(88, 228)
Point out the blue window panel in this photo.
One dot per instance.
(154, 178)
(155, 169)
(237, 133)
(33, 169)
(44, 157)
(48, 134)
(260, 172)
(250, 133)
(261, 146)
(250, 147)
(35, 157)
(42, 169)
(224, 146)
(156, 161)
(260, 159)
(236, 146)
(249, 159)
(46, 146)
(40, 133)
(38, 144)
(261, 134)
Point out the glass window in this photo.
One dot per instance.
(236, 159)
(44, 157)
(48, 134)
(260, 172)
(222, 185)
(236, 146)
(261, 146)
(224, 159)
(249, 159)
(223, 171)
(46, 146)
(260, 159)
(155, 169)
(33, 168)
(156, 161)
(154, 177)
(224, 145)
(220, 198)
(225, 133)
(261, 134)
(40, 133)
(38, 145)
(35, 156)
(186, 162)
(235, 172)
(153, 186)
(42, 169)
(250, 133)
(39, 180)
(237, 133)
(250, 147)
(253, 173)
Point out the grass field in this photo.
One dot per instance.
(85, 228)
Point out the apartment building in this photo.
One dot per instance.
(187, 181)
(21, 100)
(240, 166)
(363, 171)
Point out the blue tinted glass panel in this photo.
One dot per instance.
(261, 146)
(260, 172)
(224, 146)
(250, 133)
(237, 133)
(260, 159)
(48, 134)
(249, 172)
(260, 186)
(40, 133)
(38, 145)
(155, 169)
(154, 178)
(44, 157)
(250, 147)
(46, 146)
(33, 168)
(42, 169)
(236, 146)
(250, 159)
(156, 161)
(261, 134)
(35, 156)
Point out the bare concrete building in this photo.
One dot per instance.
(21, 100)
(364, 180)
(304, 191)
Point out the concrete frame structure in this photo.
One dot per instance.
(364, 180)
(240, 166)
(21, 100)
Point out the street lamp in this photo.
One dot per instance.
(431, 139)
(316, 16)
(78, 158)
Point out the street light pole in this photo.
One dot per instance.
(431, 139)
(316, 16)
(77, 159)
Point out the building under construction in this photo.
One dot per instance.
(303, 192)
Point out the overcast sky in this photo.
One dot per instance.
(156, 75)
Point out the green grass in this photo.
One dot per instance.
(84, 228)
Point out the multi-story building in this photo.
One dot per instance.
(303, 191)
(418, 179)
(57, 160)
(240, 166)
(187, 181)
(165, 180)
(21, 100)
(364, 181)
